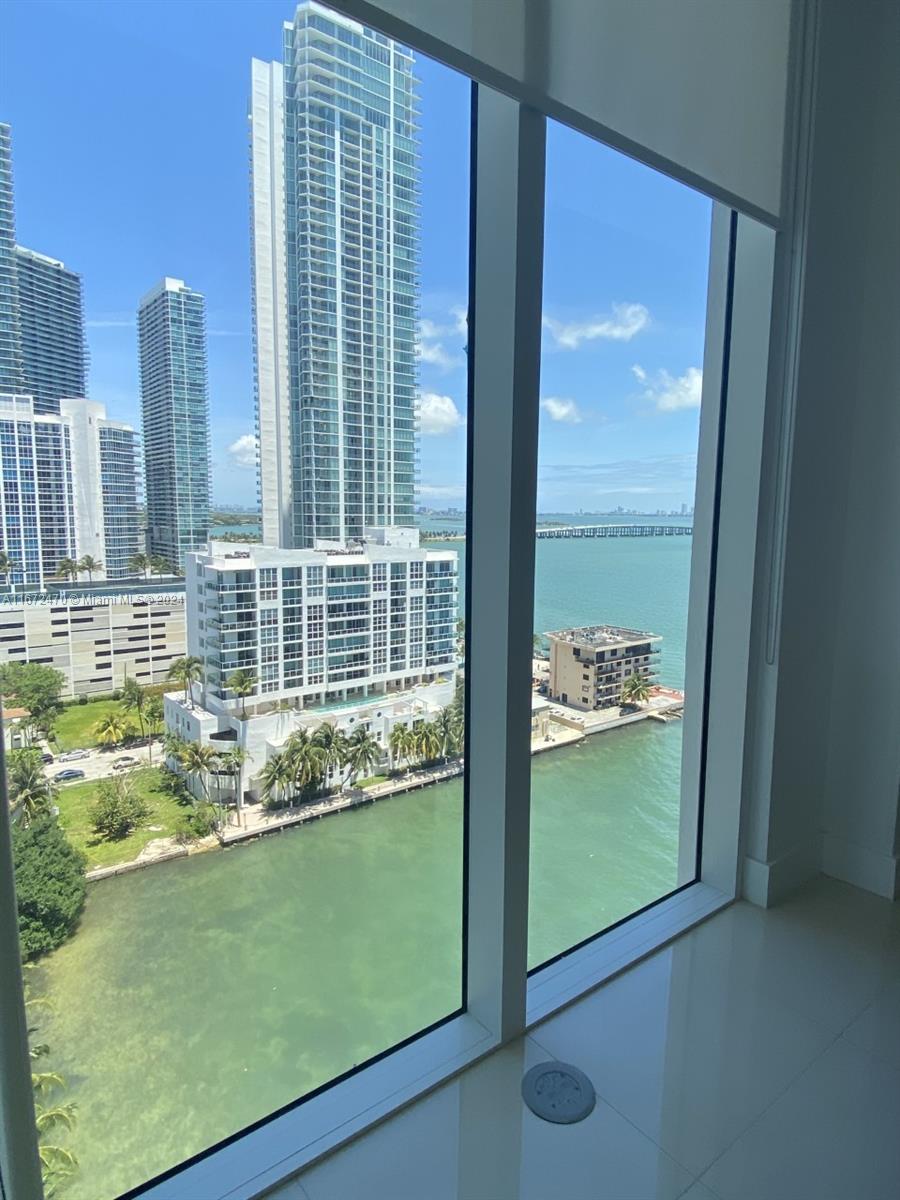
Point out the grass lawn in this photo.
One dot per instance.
(74, 727)
(75, 800)
(370, 781)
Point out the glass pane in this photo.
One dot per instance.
(218, 627)
(625, 277)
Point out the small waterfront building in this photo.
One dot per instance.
(96, 636)
(589, 665)
(353, 633)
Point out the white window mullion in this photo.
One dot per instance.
(504, 357)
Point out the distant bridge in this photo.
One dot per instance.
(612, 531)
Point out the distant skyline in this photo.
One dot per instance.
(156, 184)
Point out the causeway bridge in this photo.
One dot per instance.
(614, 531)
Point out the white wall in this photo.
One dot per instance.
(698, 86)
(836, 754)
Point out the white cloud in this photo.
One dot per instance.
(226, 333)
(437, 414)
(431, 348)
(558, 409)
(626, 321)
(110, 323)
(460, 320)
(434, 353)
(244, 451)
(670, 393)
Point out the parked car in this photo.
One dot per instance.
(68, 775)
(123, 763)
(46, 758)
(73, 755)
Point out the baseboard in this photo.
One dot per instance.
(768, 883)
(864, 868)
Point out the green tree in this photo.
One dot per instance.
(34, 686)
(186, 671)
(197, 760)
(333, 746)
(8, 567)
(362, 753)
(636, 689)
(153, 715)
(112, 729)
(68, 569)
(306, 758)
(134, 699)
(448, 728)
(57, 1162)
(427, 740)
(243, 683)
(160, 566)
(139, 563)
(117, 810)
(89, 564)
(50, 887)
(233, 761)
(402, 744)
(31, 793)
(276, 779)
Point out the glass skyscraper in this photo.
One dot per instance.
(51, 329)
(335, 225)
(10, 344)
(175, 411)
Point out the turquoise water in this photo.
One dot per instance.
(201, 994)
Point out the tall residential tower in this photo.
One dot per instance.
(51, 329)
(10, 344)
(175, 410)
(334, 160)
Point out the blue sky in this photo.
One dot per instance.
(130, 163)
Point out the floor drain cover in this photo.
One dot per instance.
(556, 1092)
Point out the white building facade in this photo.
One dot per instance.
(68, 488)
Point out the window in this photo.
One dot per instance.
(626, 259)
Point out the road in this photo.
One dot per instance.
(99, 763)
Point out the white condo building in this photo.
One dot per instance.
(334, 168)
(324, 633)
(68, 488)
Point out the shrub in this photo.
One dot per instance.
(199, 822)
(82, 699)
(117, 810)
(50, 885)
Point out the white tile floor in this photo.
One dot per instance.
(757, 1058)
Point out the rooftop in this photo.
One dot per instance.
(600, 636)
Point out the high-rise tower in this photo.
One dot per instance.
(51, 329)
(175, 410)
(10, 344)
(334, 160)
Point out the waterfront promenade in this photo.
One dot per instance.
(614, 531)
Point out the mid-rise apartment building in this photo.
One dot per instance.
(175, 413)
(335, 224)
(589, 665)
(51, 330)
(68, 488)
(324, 626)
(96, 636)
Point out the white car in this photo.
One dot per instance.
(74, 755)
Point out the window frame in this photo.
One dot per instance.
(502, 1001)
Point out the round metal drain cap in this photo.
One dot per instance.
(558, 1092)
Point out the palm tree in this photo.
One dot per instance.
(112, 729)
(233, 760)
(243, 683)
(7, 567)
(197, 760)
(90, 564)
(363, 752)
(186, 671)
(68, 569)
(173, 746)
(306, 760)
(153, 714)
(276, 778)
(537, 645)
(333, 745)
(636, 689)
(57, 1163)
(31, 793)
(447, 727)
(401, 743)
(159, 565)
(428, 741)
(134, 699)
(139, 562)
